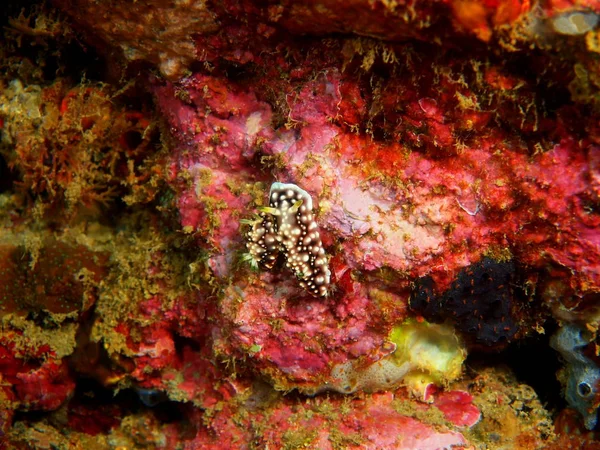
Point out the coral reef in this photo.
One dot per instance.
(299, 225)
(85, 148)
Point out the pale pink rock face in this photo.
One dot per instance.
(441, 220)
(348, 210)
(372, 220)
(386, 216)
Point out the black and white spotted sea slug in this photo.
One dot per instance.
(287, 227)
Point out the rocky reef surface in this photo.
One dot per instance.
(323, 224)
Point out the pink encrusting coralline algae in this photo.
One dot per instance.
(380, 207)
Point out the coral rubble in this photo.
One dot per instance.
(322, 224)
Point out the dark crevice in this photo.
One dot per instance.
(7, 176)
(533, 362)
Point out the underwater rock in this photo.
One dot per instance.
(7, 411)
(67, 144)
(48, 286)
(48, 279)
(581, 375)
(40, 383)
(453, 145)
(168, 32)
(407, 223)
(389, 212)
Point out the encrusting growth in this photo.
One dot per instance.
(287, 226)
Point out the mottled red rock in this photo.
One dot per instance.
(40, 382)
(458, 408)
(435, 139)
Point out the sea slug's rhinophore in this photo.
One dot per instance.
(581, 375)
(287, 226)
